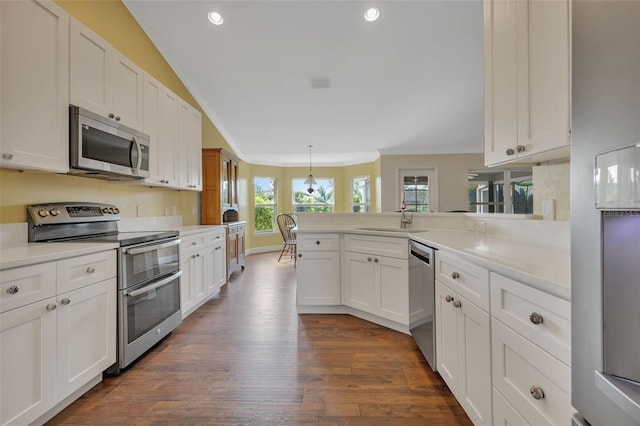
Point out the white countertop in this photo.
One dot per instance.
(542, 266)
(31, 253)
(194, 229)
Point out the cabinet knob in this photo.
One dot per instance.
(13, 289)
(91, 270)
(65, 301)
(194, 243)
(536, 392)
(457, 303)
(536, 318)
(448, 298)
(111, 115)
(299, 254)
(510, 151)
(117, 118)
(7, 156)
(52, 306)
(375, 259)
(368, 259)
(318, 242)
(455, 275)
(520, 148)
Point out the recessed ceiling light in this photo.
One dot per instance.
(215, 18)
(372, 14)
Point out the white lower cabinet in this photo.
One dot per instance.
(463, 346)
(504, 413)
(202, 261)
(55, 345)
(318, 270)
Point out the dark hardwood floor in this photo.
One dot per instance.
(247, 358)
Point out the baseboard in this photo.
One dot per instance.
(263, 249)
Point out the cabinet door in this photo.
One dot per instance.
(187, 297)
(34, 61)
(168, 141)
(152, 119)
(86, 335)
(27, 362)
(504, 413)
(125, 80)
(211, 287)
(392, 298)
(318, 278)
(447, 336)
(89, 69)
(359, 281)
(219, 265)
(232, 252)
(474, 361)
(194, 166)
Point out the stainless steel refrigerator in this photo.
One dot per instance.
(605, 117)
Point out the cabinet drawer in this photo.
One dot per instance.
(504, 413)
(192, 243)
(522, 308)
(21, 286)
(519, 365)
(80, 271)
(469, 280)
(215, 238)
(383, 246)
(318, 242)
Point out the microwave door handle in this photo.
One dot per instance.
(153, 247)
(139, 151)
(154, 286)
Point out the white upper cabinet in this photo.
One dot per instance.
(190, 143)
(34, 86)
(161, 124)
(103, 80)
(527, 80)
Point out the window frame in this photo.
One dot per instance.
(273, 205)
(295, 205)
(367, 204)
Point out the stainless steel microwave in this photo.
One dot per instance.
(103, 148)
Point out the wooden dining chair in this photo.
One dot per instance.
(286, 223)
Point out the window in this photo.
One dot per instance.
(320, 201)
(487, 191)
(264, 192)
(418, 190)
(360, 194)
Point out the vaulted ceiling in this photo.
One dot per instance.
(410, 82)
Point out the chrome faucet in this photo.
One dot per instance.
(404, 220)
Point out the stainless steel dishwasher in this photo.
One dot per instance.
(422, 321)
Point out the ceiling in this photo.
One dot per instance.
(409, 83)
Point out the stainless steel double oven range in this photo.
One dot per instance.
(148, 270)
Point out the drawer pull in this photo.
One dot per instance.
(448, 298)
(510, 151)
(536, 392)
(65, 301)
(318, 242)
(91, 270)
(536, 318)
(520, 148)
(299, 254)
(368, 259)
(52, 306)
(13, 289)
(7, 156)
(455, 275)
(457, 303)
(375, 259)
(194, 243)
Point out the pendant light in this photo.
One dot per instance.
(310, 180)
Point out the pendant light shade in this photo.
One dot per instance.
(310, 179)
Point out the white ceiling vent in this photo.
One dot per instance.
(320, 83)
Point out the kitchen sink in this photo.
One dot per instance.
(403, 230)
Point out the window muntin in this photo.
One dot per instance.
(360, 194)
(320, 201)
(265, 201)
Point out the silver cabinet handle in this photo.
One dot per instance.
(111, 115)
(65, 301)
(52, 306)
(536, 392)
(91, 270)
(520, 148)
(299, 254)
(375, 259)
(448, 298)
(455, 275)
(117, 118)
(368, 259)
(13, 289)
(7, 156)
(457, 303)
(510, 151)
(536, 318)
(194, 243)
(318, 242)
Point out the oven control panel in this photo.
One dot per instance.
(63, 213)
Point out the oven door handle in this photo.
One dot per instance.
(153, 286)
(153, 247)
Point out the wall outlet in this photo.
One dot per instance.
(549, 209)
(481, 226)
(166, 211)
(139, 211)
(471, 225)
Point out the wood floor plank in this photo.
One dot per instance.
(247, 358)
